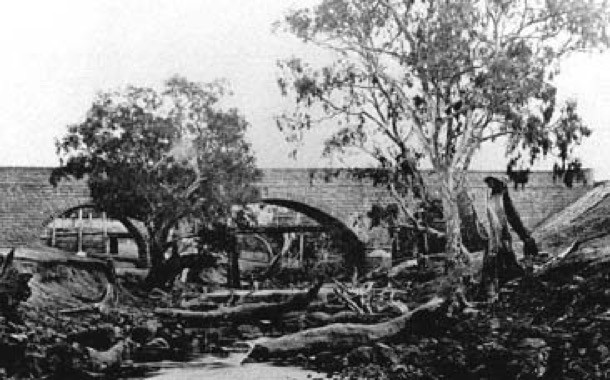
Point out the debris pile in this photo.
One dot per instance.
(83, 321)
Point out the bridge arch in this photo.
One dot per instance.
(58, 213)
(28, 201)
(349, 242)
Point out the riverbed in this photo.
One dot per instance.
(229, 368)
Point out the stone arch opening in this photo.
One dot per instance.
(351, 247)
(65, 212)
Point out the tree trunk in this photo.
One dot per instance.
(156, 257)
(474, 234)
(139, 239)
(499, 263)
(530, 248)
(234, 276)
(163, 272)
(456, 260)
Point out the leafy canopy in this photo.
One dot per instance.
(439, 78)
(160, 156)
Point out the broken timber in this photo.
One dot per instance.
(500, 263)
(345, 336)
(244, 312)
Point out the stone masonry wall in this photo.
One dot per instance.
(28, 201)
(344, 197)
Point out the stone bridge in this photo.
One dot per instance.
(28, 202)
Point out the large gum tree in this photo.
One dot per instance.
(153, 158)
(438, 79)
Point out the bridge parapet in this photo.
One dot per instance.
(28, 201)
(346, 198)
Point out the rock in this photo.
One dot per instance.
(328, 361)
(361, 355)
(64, 359)
(534, 356)
(143, 333)
(100, 338)
(603, 352)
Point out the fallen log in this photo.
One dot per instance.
(344, 336)
(263, 295)
(198, 305)
(347, 297)
(244, 312)
(326, 307)
(319, 318)
(396, 270)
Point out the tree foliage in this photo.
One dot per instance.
(159, 157)
(437, 79)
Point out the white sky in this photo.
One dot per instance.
(57, 54)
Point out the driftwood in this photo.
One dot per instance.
(353, 301)
(319, 318)
(345, 336)
(224, 296)
(325, 307)
(274, 264)
(245, 312)
(197, 304)
(400, 268)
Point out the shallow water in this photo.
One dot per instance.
(229, 368)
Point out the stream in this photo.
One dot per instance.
(228, 367)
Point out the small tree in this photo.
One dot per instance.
(154, 158)
(437, 79)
